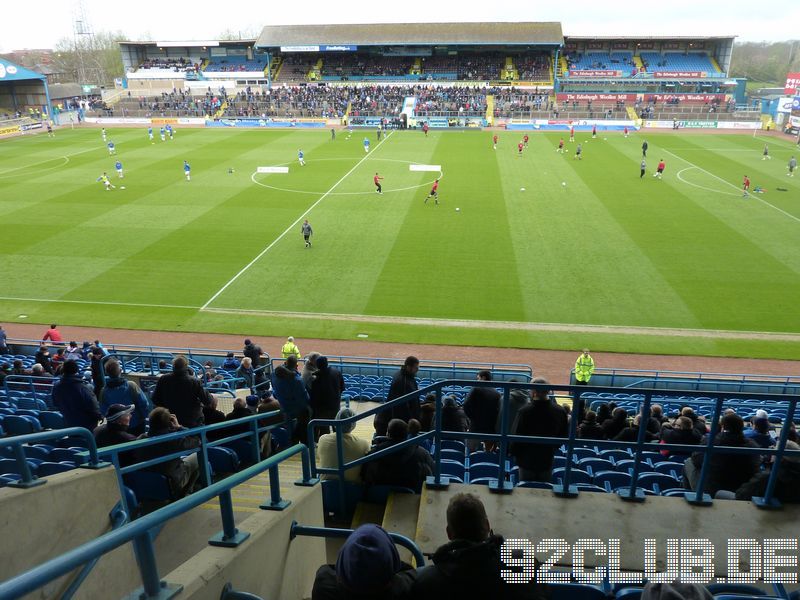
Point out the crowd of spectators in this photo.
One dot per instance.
(177, 65)
(345, 66)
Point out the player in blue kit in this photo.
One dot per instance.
(118, 167)
(150, 134)
(170, 132)
(187, 170)
(366, 144)
(111, 148)
(300, 158)
(163, 136)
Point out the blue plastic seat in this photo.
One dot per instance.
(541, 485)
(36, 452)
(615, 455)
(484, 457)
(482, 480)
(150, 486)
(451, 454)
(453, 468)
(735, 588)
(52, 468)
(52, 420)
(575, 591)
(612, 480)
(589, 487)
(223, 460)
(657, 482)
(9, 465)
(583, 453)
(20, 425)
(595, 465)
(478, 470)
(575, 476)
(455, 445)
(669, 468)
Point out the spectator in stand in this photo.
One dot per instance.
(630, 433)
(231, 363)
(119, 391)
(75, 399)
(407, 467)
(5, 371)
(3, 338)
(240, 410)
(254, 352)
(97, 344)
(182, 394)
(58, 360)
(293, 396)
(482, 406)
(760, 432)
(52, 334)
(657, 413)
(403, 382)
(181, 472)
(326, 393)
(211, 416)
(353, 448)
(414, 429)
(589, 429)
(96, 362)
(787, 488)
(679, 432)
(115, 430)
(453, 416)
(469, 565)
(246, 372)
(617, 422)
(309, 369)
(368, 568)
(290, 349)
(42, 357)
(517, 400)
(73, 352)
(37, 370)
(540, 418)
(726, 471)
(603, 413)
(18, 368)
(697, 421)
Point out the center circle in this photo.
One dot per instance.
(289, 191)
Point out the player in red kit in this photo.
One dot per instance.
(746, 187)
(519, 148)
(594, 131)
(494, 141)
(425, 129)
(434, 193)
(560, 148)
(660, 169)
(571, 134)
(377, 180)
(525, 140)
(626, 131)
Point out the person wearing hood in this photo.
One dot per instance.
(309, 369)
(407, 467)
(75, 399)
(119, 390)
(453, 416)
(368, 568)
(469, 565)
(326, 393)
(288, 388)
(182, 394)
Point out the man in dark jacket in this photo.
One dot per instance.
(617, 422)
(326, 393)
(540, 418)
(43, 358)
(287, 385)
(453, 416)
(589, 428)
(368, 568)
(96, 361)
(211, 416)
(119, 390)
(469, 565)
(115, 430)
(181, 472)
(254, 352)
(75, 399)
(482, 406)
(682, 431)
(405, 468)
(403, 382)
(631, 433)
(787, 488)
(182, 394)
(727, 471)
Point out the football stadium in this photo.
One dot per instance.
(544, 286)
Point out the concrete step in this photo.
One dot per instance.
(401, 516)
(367, 513)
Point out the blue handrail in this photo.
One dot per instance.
(504, 438)
(138, 532)
(332, 532)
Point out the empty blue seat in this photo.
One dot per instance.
(595, 465)
(9, 465)
(669, 468)
(612, 480)
(223, 460)
(582, 453)
(615, 455)
(484, 457)
(52, 468)
(657, 482)
(150, 486)
(451, 454)
(482, 480)
(479, 470)
(21, 425)
(575, 591)
(575, 476)
(588, 487)
(52, 420)
(455, 445)
(36, 452)
(536, 485)
(735, 588)
(453, 468)
(64, 454)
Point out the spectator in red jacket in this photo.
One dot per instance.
(53, 334)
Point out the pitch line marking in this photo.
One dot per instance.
(98, 302)
(702, 187)
(292, 226)
(780, 210)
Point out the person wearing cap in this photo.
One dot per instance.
(584, 367)
(368, 568)
(469, 565)
(353, 448)
(254, 352)
(115, 430)
(290, 349)
(326, 393)
(119, 390)
(760, 432)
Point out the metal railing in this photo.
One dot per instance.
(564, 489)
(138, 532)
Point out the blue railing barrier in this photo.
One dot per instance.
(138, 532)
(631, 493)
(16, 442)
(331, 532)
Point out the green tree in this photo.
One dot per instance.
(91, 59)
(767, 62)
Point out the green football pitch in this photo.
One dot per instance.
(538, 250)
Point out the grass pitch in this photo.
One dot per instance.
(540, 238)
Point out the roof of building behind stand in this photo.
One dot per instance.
(412, 33)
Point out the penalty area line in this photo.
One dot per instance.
(292, 226)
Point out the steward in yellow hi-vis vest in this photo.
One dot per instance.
(584, 367)
(290, 348)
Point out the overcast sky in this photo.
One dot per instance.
(41, 24)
